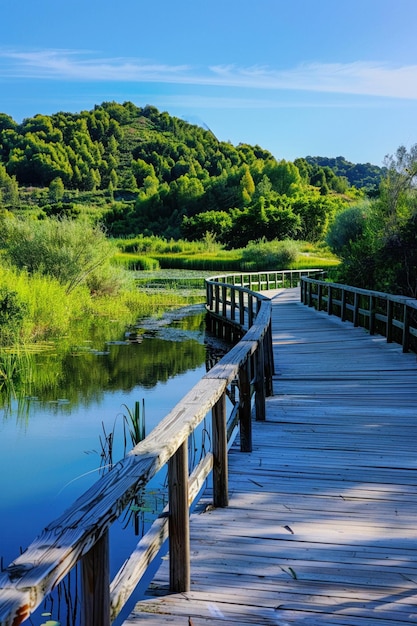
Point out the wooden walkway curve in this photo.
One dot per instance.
(322, 522)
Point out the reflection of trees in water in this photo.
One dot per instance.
(68, 375)
(127, 365)
(82, 377)
(83, 374)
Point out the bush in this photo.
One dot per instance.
(68, 250)
(12, 314)
(347, 228)
(277, 255)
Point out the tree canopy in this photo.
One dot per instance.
(160, 175)
(378, 241)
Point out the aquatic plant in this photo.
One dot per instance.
(134, 424)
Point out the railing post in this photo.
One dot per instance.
(241, 308)
(343, 307)
(330, 300)
(250, 310)
(260, 383)
(96, 584)
(233, 304)
(406, 328)
(269, 361)
(224, 300)
(310, 294)
(245, 417)
(356, 309)
(208, 295)
(217, 298)
(390, 313)
(220, 466)
(371, 315)
(319, 296)
(179, 523)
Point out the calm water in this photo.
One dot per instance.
(50, 439)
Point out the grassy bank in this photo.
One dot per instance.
(36, 308)
(64, 277)
(153, 254)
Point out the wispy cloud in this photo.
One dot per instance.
(75, 65)
(359, 78)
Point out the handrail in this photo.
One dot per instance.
(393, 316)
(81, 533)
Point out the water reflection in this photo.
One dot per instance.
(53, 424)
(50, 428)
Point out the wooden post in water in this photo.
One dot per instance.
(179, 523)
(96, 584)
(220, 466)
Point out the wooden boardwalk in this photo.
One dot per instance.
(322, 522)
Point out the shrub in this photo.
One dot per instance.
(347, 228)
(277, 255)
(12, 313)
(68, 250)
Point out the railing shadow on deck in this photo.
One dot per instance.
(392, 316)
(81, 534)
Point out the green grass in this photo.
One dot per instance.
(219, 260)
(170, 280)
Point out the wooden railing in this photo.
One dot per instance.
(394, 317)
(81, 533)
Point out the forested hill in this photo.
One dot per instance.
(361, 175)
(149, 172)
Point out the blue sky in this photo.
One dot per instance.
(297, 77)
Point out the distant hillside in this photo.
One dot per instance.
(360, 175)
(148, 172)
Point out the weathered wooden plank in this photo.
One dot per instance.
(148, 547)
(320, 527)
(51, 555)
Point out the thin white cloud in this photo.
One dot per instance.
(71, 65)
(357, 78)
(194, 101)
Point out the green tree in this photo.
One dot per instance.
(218, 223)
(316, 212)
(56, 190)
(284, 176)
(347, 228)
(9, 189)
(247, 185)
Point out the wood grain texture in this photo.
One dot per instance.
(321, 523)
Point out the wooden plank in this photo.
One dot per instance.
(320, 528)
